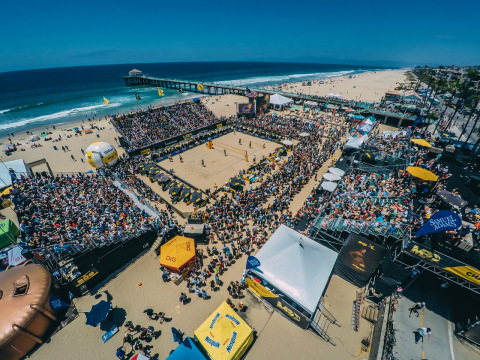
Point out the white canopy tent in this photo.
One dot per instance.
(18, 167)
(297, 266)
(336, 171)
(356, 142)
(279, 101)
(329, 185)
(331, 177)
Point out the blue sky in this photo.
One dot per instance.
(38, 34)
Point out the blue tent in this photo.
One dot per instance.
(358, 117)
(196, 99)
(98, 313)
(187, 350)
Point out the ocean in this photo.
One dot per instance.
(36, 98)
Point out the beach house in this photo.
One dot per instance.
(411, 97)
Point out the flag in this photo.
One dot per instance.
(250, 93)
(443, 220)
(252, 262)
(334, 109)
(160, 92)
(106, 101)
(200, 86)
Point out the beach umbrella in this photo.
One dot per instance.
(98, 313)
(162, 178)
(140, 357)
(421, 173)
(328, 185)
(287, 142)
(452, 199)
(89, 172)
(196, 197)
(336, 171)
(331, 177)
(304, 134)
(235, 182)
(186, 192)
(142, 166)
(421, 142)
(175, 189)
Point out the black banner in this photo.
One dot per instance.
(358, 259)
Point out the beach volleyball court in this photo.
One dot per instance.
(219, 168)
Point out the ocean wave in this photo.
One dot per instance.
(283, 78)
(57, 115)
(19, 108)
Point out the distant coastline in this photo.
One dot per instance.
(39, 98)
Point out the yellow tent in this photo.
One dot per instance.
(423, 174)
(421, 142)
(224, 335)
(176, 253)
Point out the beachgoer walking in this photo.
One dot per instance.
(239, 141)
(224, 152)
(415, 307)
(420, 333)
(203, 163)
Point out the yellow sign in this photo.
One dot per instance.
(425, 254)
(219, 126)
(6, 204)
(200, 86)
(82, 279)
(259, 289)
(145, 152)
(294, 316)
(466, 272)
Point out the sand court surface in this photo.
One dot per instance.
(219, 168)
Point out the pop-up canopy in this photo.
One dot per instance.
(187, 350)
(224, 335)
(176, 253)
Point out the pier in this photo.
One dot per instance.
(137, 78)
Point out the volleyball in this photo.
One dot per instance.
(100, 154)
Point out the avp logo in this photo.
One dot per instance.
(425, 254)
(287, 311)
(171, 258)
(473, 275)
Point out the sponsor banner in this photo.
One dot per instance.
(252, 262)
(447, 263)
(279, 304)
(466, 272)
(440, 221)
(358, 259)
(85, 277)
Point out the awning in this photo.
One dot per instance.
(329, 185)
(331, 177)
(176, 253)
(297, 266)
(336, 171)
(224, 335)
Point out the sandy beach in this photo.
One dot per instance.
(277, 337)
(369, 87)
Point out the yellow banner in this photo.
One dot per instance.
(200, 86)
(259, 289)
(466, 272)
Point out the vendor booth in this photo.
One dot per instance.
(178, 255)
(224, 335)
(195, 228)
(293, 274)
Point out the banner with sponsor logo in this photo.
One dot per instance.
(279, 304)
(445, 262)
(358, 259)
(252, 262)
(443, 220)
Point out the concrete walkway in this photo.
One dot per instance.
(442, 345)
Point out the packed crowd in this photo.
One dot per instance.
(154, 125)
(74, 209)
